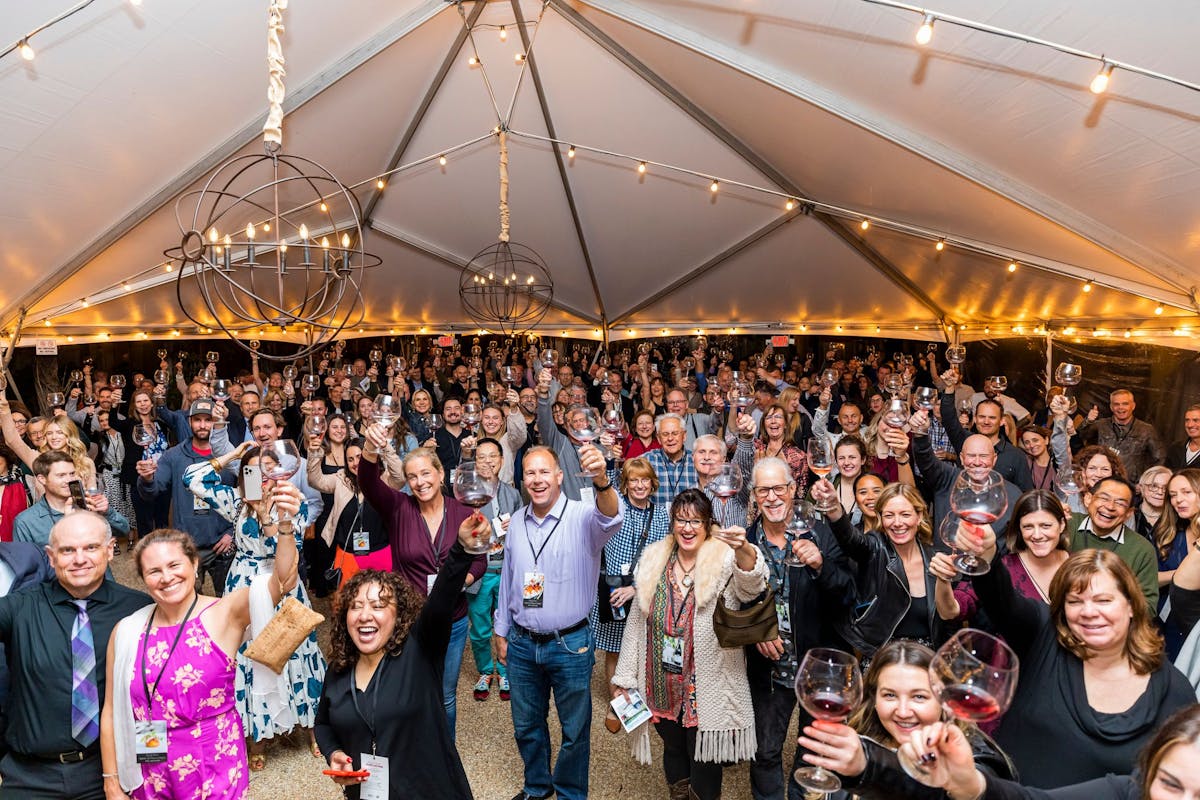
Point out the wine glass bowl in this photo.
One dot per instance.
(725, 485)
(829, 685)
(614, 423)
(974, 675)
(799, 526)
(583, 425)
(977, 500)
(385, 410)
(956, 354)
(1000, 382)
(55, 399)
(1068, 374)
(316, 425)
(220, 389)
(143, 435)
(925, 397)
(828, 378)
(472, 489)
(280, 460)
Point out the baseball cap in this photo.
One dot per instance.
(201, 406)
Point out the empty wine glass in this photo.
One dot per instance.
(470, 418)
(280, 460)
(1000, 382)
(508, 376)
(161, 353)
(375, 355)
(925, 397)
(55, 399)
(956, 354)
(316, 425)
(725, 485)
(895, 416)
(549, 359)
(1068, 484)
(220, 389)
(144, 435)
(977, 500)
(76, 376)
(118, 382)
(161, 377)
(584, 426)
(800, 526)
(894, 384)
(212, 356)
(741, 396)
(290, 372)
(829, 685)
(828, 378)
(310, 384)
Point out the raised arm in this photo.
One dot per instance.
(13, 439)
(202, 480)
(317, 479)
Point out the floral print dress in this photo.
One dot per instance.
(206, 750)
(305, 670)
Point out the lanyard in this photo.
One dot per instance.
(149, 689)
(675, 473)
(376, 679)
(354, 523)
(538, 553)
(436, 542)
(682, 601)
(642, 539)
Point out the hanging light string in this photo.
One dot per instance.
(1099, 84)
(23, 45)
(522, 59)
(801, 204)
(476, 61)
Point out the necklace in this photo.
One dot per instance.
(686, 581)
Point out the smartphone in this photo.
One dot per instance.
(346, 773)
(78, 498)
(252, 482)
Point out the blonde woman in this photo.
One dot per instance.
(59, 434)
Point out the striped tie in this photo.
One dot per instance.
(85, 697)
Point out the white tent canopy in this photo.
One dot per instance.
(996, 145)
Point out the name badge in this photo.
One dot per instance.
(198, 505)
(498, 525)
(361, 541)
(625, 568)
(150, 741)
(375, 787)
(672, 654)
(785, 616)
(587, 495)
(429, 579)
(533, 590)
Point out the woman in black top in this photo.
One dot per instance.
(1094, 684)
(385, 644)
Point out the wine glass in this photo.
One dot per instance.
(977, 500)
(385, 410)
(434, 423)
(549, 359)
(161, 353)
(828, 378)
(894, 384)
(725, 485)
(290, 372)
(280, 460)
(375, 355)
(820, 462)
(55, 399)
(1068, 484)
(212, 356)
(614, 423)
(1000, 382)
(741, 396)
(829, 685)
(583, 425)
(310, 384)
(143, 435)
(974, 674)
(470, 418)
(1066, 376)
(161, 377)
(925, 397)
(508, 376)
(118, 382)
(895, 416)
(316, 425)
(220, 389)
(800, 526)
(472, 489)
(76, 376)
(956, 354)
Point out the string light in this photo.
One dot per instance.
(324, 208)
(940, 246)
(442, 160)
(1100, 82)
(1012, 266)
(1158, 309)
(473, 61)
(266, 227)
(518, 58)
(865, 224)
(1087, 287)
(503, 34)
(641, 167)
(571, 151)
(26, 51)
(715, 186)
(925, 32)
(790, 204)
(379, 184)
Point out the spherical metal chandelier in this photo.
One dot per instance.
(272, 241)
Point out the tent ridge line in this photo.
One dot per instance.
(743, 150)
(539, 88)
(246, 135)
(1006, 187)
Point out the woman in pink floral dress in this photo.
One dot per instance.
(170, 728)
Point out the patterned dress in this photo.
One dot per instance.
(305, 670)
(206, 750)
(623, 549)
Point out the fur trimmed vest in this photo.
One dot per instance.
(723, 706)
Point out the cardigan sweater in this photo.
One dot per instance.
(723, 706)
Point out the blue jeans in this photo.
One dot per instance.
(479, 610)
(454, 656)
(564, 666)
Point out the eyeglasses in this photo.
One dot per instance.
(690, 523)
(1155, 487)
(762, 492)
(1116, 502)
(640, 482)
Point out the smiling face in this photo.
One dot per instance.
(1097, 467)
(1033, 443)
(690, 529)
(775, 492)
(421, 402)
(849, 461)
(900, 521)
(987, 418)
(1122, 406)
(850, 418)
(904, 700)
(1183, 497)
(978, 457)
(1109, 506)
(1178, 774)
(773, 423)
(1191, 423)
(491, 420)
(866, 492)
(644, 426)
(79, 551)
(670, 434)
(424, 479)
(542, 478)
(1099, 615)
(452, 412)
(169, 574)
(56, 437)
(337, 429)
(370, 619)
(1041, 531)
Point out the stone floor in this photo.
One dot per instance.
(486, 745)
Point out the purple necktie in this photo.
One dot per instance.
(85, 696)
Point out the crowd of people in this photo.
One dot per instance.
(637, 500)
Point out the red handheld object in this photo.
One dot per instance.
(346, 773)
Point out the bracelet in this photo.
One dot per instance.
(110, 775)
(215, 463)
(901, 463)
(603, 488)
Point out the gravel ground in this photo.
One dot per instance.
(485, 743)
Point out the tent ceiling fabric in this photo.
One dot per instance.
(978, 138)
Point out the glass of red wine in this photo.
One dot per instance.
(974, 675)
(977, 500)
(726, 484)
(474, 490)
(829, 686)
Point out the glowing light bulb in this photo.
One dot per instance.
(1158, 309)
(571, 151)
(212, 235)
(715, 186)
(865, 224)
(1012, 266)
(925, 32)
(641, 167)
(473, 61)
(85, 302)
(518, 58)
(790, 204)
(379, 184)
(250, 231)
(1087, 287)
(325, 242)
(940, 246)
(324, 208)
(442, 161)
(266, 227)
(1100, 82)
(503, 34)
(303, 231)
(26, 51)
(345, 240)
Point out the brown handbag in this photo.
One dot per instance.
(280, 637)
(753, 623)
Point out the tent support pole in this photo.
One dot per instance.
(12, 349)
(1049, 359)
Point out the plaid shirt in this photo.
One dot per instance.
(673, 476)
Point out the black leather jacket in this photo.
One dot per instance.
(885, 779)
(882, 586)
